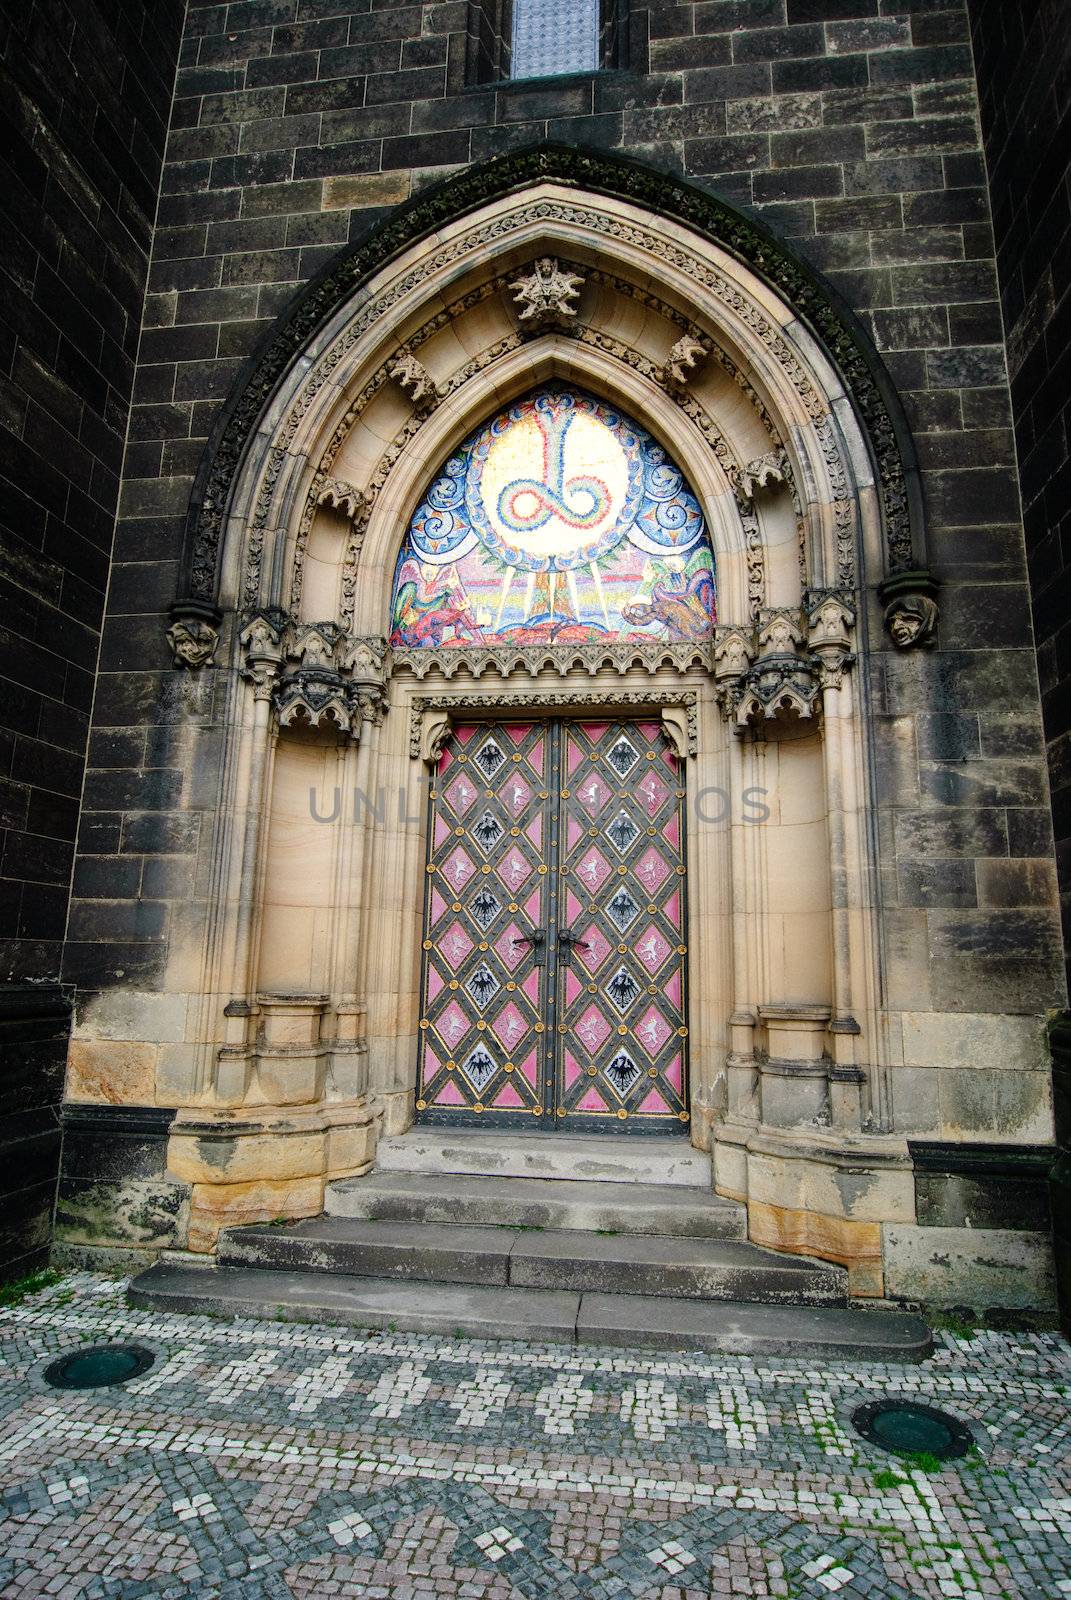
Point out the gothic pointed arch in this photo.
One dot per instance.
(763, 283)
(738, 398)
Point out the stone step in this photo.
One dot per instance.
(409, 1250)
(693, 1269)
(702, 1269)
(476, 1311)
(610, 1159)
(605, 1208)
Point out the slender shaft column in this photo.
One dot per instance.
(233, 1064)
(743, 1100)
(349, 1070)
(830, 619)
(733, 654)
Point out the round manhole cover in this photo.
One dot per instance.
(906, 1428)
(98, 1366)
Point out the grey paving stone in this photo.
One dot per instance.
(261, 1459)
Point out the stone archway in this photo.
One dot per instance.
(303, 1016)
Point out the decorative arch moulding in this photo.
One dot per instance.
(430, 715)
(814, 303)
(746, 478)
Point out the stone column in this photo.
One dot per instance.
(262, 641)
(830, 617)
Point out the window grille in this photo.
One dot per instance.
(516, 41)
(554, 36)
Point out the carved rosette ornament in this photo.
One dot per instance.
(910, 601)
(315, 674)
(193, 634)
(547, 296)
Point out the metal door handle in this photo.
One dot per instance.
(567, 942)
(538, 940)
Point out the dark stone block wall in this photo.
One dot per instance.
(851, 128)
(1023, 58)
(85, 99)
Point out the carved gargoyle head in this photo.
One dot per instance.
(909, 599)
(193, 642)
(912, 621)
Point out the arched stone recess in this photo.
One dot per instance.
(555, 268)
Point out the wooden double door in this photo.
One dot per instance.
(555, 958)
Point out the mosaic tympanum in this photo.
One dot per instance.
(560, 521)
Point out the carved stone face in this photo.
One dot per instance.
(911, 620)
(193, 644)
(905, 628)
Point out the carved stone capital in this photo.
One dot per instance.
(315, 673)
(366, 660)
(910, 601)
(370, 706)
(830, 620)
(771, 468)
(683, 362)
(262, 642)
(412, 376)
(780, 632)
(340, 495)
(547, 296)
(313, 644)
(734, 651)
(193, 634)
(768, 672)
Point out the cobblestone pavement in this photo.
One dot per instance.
(274, 1459)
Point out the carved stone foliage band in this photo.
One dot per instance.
(599, 174)
(433, 706)
(502, 660)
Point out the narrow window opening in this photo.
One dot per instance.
(515, 41)
(549, 37)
